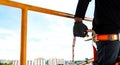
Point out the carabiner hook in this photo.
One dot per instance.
(93, 35)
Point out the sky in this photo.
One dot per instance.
(48, 36)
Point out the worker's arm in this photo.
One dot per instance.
(81, 9)
(79, 28)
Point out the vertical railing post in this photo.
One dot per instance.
(23, 37)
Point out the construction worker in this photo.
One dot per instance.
(106, 24)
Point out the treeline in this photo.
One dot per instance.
(5, 63)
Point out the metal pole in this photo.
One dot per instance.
(23, 37)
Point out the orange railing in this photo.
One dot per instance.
(25, 8)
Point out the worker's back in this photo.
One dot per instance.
(107, 16)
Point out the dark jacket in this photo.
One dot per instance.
(106, 15)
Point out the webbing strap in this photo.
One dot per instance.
(94, 52)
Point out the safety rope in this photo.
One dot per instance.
(73, 46)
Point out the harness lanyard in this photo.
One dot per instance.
(73, 46)
(93, 40)
(94, 49)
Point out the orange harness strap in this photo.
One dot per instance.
(106, 37)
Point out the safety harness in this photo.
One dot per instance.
(98, 37)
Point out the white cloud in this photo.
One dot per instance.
(60, 5)
(9, 44)
(52, 43)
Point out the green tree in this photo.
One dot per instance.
(6, 63)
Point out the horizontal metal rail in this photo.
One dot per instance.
(39, 9)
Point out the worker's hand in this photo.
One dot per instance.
(79, 29)
(77, 19)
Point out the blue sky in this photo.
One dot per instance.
(48, 35)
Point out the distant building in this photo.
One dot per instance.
(16, 62)
(55, 61)
(42, 61)
(39, 61)
(29, 62)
